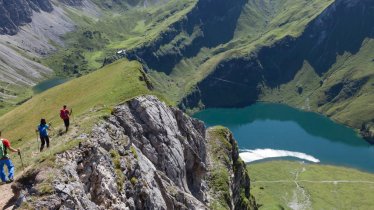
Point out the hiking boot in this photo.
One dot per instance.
(2, 183)
(9, 181)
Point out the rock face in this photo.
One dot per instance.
(145, 156)
(15, 13)
(72, 2)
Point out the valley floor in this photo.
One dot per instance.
(298, 185)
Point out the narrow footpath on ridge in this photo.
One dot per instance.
(6, 195)
(6, 192)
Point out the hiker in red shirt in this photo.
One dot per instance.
(65, 114)
(5, 160)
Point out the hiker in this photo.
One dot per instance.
(5, 160)
(43, 129)
(65, 114)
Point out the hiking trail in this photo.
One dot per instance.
(6, 189)
(6, 195)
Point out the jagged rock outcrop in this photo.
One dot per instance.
(145, 156)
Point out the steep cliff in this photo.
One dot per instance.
(229, 180)
(145, 156)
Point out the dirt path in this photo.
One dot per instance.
(300, 198)
(6, 194)
(322, 181)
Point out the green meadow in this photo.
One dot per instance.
(298, 185)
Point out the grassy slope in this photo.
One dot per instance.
(120, 27)
(328, 195)
(91, 96)
(113, 31)
(21, 94)
(352, 111)
(261, 24)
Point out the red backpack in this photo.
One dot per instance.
(64, 114)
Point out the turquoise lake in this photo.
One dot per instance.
(49, 83)
(271, 131)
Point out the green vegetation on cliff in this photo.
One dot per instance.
(297, 185)
(227, 169)
(220, 177)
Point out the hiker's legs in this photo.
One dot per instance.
(67, 123)
(47, 141)
(10, 166)
(43, 143)
(2, 172)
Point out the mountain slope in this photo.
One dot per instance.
(31, 31)
(327, 69)
(195, 45)
(18, 13)
(283, 51)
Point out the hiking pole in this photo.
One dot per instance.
(37, 140)
(20, 156)
(53, 129)
(72, 115)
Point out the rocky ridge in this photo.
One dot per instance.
(146, 155)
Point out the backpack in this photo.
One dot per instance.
(64, 114)
(3, 152)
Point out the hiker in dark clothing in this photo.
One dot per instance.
(65, 116)
(43, 129)
(5, 160)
